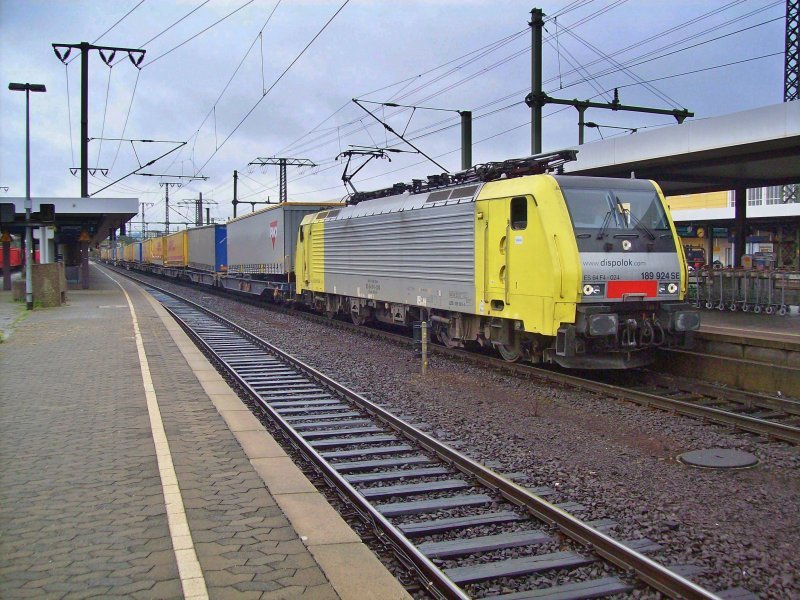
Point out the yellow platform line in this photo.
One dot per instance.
(192, 580)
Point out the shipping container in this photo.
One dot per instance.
(208, 250)
(177, 249)
(128, 253)
(263, 242)
(153, 251)
(137, 252)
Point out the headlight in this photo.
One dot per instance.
(594, 289)
(602, 324)
(686, 320)
(667, 288)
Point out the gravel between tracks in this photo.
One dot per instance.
(619, 460)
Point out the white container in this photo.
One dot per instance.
(264, 241)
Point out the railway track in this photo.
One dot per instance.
(772, 417)
(459, 525)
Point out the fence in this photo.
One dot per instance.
(746, 290)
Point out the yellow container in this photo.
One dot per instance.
(152, 251)
(177, 250)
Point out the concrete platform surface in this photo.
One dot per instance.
(130, 469)
(752, 326)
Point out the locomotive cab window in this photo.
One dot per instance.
(629, 205)
(519, 213)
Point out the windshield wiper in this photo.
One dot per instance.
(642, 226)
(634, 218)
(602, 231)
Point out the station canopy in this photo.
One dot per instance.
(754, 148)
(70, 216)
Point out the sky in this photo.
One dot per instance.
(224, 82)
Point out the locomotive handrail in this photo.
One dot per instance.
(507, 278)
(560, 266)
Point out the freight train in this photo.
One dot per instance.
(580, 271)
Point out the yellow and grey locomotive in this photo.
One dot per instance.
(581, 271)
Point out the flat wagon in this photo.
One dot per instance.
(176, 250)
(208, 253)
(261, 248)
(153, 251)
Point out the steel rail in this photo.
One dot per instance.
(779, 431)
(748, 399)
(436, 581)
(647, 570)
(769, 429)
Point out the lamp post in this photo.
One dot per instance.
(28, 88)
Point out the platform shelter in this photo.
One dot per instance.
(68, 226)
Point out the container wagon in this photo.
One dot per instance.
(176, 254)
(208, 253)
(261, 247)
(128, 253)
(153, 252)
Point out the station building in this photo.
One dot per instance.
(705, 223)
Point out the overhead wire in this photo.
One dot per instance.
(127, 116)
(212, 111)
(406, 81)
(274, 83)
(636, 62)
(616, 69)
(162, 32)
(102, 35)
(105, 113)
(632, 61)
(585, 20)
(491, 47)
(198, 34)
(239, 66)
(573, 62)
(570, 7)
(658, 93)
(694, 71)
(69, 116)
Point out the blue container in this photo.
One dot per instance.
(221, 246)
(208, 248)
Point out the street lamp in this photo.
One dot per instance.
(28, 88)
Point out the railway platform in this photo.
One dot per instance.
(755, 352)
(772, 328)
(131, 469)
